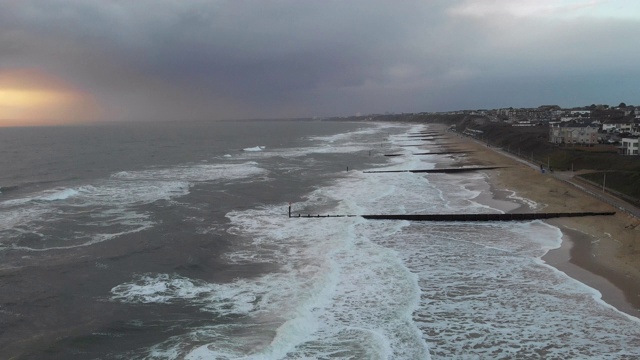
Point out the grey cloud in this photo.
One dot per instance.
(217, 59)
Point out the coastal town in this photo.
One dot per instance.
(617, 126)
(598, 144)
(611, 128)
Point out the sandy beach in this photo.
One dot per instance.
(601, 252)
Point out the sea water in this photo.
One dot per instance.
(178, 245)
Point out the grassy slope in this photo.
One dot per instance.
(532, 143)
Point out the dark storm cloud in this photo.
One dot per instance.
(217, 59)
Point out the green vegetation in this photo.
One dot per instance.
(532, 143)
(623, 172)
(626, 183)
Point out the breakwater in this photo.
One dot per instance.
(445, 170)
(462, 217)
(432, 153)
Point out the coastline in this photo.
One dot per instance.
(602, 253)
(575, 258)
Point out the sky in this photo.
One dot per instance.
(79, 61)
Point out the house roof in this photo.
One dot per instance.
(577, 125)
(620, 121)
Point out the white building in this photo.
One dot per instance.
(629, 146)
(581, 113)
(624, 126)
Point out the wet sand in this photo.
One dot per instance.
(602, 252)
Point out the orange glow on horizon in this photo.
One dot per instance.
(33, 98)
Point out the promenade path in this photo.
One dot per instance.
(598, 193)
(570, 178)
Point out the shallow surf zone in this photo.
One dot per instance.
(63, 218)
(487, 294)
(332, 292)
(352, 288)
(373, 141)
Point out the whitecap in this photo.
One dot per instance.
(195, 173)
(221, 299)
(62, 194)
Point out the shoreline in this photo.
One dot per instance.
(574, 258)
(603, 254)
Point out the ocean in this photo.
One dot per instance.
(173, 241)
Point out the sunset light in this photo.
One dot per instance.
(31, 98)
(362, 179)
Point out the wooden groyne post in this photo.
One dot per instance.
(485, 217)
(465, 217)
(433, 153)
(446, 171)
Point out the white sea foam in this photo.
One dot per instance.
(254, 149)
(530, 203)
(347, 143)
(335, 292)
(376, 129)
(195, 173)
(13, 217)
(487, 294)
(326, 271)
(351, 288)
(59, 195)
(220, 299)
(46, 195)
(328, 148)
(115, 198)
(81, 240)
